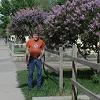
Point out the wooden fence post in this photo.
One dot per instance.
(98, 53)
(44, 59)
(74, 73)
(44, 56)
(61, 70)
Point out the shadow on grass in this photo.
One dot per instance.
(52, 76)
(84, 74)
(34, 83)
(81, 74)
(22, 85)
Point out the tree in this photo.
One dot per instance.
(21, 4)
(9, 8)
(5, 10)
(65, 22)
(26, 20)
(5, 7)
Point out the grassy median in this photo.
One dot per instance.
(50, 83)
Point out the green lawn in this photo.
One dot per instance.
(19, 50)
(50, 83)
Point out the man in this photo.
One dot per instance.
(34, 52)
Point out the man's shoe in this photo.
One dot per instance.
(29, 88)
(39, 87)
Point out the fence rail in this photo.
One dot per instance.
(54, 52)
(85, 62)
(16, 50)
(50, 67)
(75, 84)
(85, 91)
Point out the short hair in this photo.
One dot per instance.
(36, 34)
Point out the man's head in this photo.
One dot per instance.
(36, 36)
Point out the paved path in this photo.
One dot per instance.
(81, 97)
(8, 80)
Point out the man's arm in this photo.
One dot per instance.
(42, 53)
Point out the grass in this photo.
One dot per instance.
(51, 86)
(19, 50)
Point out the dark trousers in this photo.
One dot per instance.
(31, 66)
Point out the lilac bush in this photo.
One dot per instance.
(63, 23)
(76, 17)
(94, 25)
(25, 21)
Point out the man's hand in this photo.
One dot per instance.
(39, 57)
(26, 61)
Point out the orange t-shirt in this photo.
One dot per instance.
(35, 47)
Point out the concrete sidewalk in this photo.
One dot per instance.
(8, 76)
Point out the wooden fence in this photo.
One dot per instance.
(18, 56)
(75, 84)
(60, 71)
